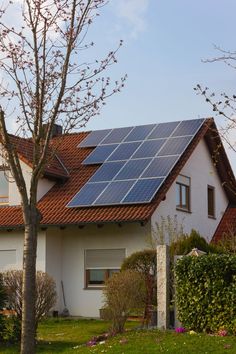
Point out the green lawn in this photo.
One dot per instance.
(68, 336)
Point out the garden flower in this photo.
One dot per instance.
(192, 332)
(222, 332)
(180, 330)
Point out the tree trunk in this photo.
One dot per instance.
(28, 329)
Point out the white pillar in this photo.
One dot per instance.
(163, 264)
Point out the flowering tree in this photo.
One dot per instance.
(44, 79)
(225, 105)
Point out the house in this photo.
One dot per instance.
(103, 193)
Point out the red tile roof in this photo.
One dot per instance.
(25, 149)
(227, 225)
(53, 205)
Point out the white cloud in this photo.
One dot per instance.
(134, 13)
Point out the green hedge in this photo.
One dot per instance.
(206, 292)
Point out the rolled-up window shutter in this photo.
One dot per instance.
(7, 259)
(104, 258)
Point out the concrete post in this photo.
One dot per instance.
(163, 267)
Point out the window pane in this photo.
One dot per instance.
(211, 201)
(97, 276)
(3, 187)
(178, 200)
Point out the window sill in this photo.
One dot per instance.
(184, 210)
(94, 288)
(211, 217)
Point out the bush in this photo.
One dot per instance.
(206, 292)
(45, 293)
(186, 243)
(123, 292)
(145, 263)
(2, 304)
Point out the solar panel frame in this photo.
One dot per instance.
(124, 151)
(100, 154)
(140, 132)
(175, 146)
(133, 169)
(114, 193)
(160, 167)
(163, 130)
(94, 138)
(117, 135)
(141, 187)
(87, 194)
(107, 171)
(188, 127)
(149, 148)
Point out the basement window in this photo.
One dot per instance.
(100, 264)
(4, 187)
(183, 193)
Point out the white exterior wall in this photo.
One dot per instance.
(14, 240)
(80, 301)
(54, 261)
(44, 186)
(202, 172)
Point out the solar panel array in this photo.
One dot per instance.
(135, 161)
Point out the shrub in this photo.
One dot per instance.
(145, 263)
(187, 242)
(2, 303)
(45, 293)
(123, 292)
(206, 292)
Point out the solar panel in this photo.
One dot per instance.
(175, 146)
(140, 133)
(149, 148)
(87, 195)
(100, 154)
(135, 162)
(124, 151)
(114, 193)
(160, 166)
(117, 135)
(94, 138)
(107, 171)
(163, 130)
(133, 169)
(143, 191)
(188, 127)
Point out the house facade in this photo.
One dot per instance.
(82, 245)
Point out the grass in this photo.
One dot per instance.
(68, 336)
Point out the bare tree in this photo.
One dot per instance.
(46, 294)
(225, 104)
(45, 79)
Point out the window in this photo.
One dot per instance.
(211, 201)
(101, 264)
(183, 193)
(4, 190)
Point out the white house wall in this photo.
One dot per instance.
(202, 172)
(80, 301)
(44, 186)
(14, 241)
(54, 261)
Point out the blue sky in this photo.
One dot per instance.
(164, 43)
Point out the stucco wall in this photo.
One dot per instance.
(202, 173)
(14, 241)
(80, 301)
(44, 186)
(54, 261)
